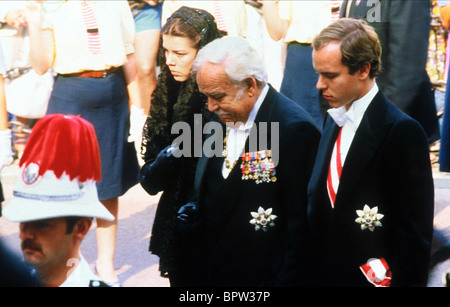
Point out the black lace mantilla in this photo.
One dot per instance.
(173, 101)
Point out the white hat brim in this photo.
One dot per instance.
(50, 197)
(25, 210)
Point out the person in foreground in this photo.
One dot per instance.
(56, 198)
(371, 195)
(252, 206)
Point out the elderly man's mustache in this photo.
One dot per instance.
(221, 113)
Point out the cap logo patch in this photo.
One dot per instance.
(30, 174)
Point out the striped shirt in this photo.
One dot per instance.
(68, 30)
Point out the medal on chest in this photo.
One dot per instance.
(258, 166)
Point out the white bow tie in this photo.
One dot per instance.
(341, 116)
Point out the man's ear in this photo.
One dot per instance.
(82, 227)
(251, 86)
(364, 71)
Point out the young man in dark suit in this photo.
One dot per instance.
(403, 28)
(252, 206)
(371, 195)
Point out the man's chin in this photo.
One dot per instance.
(334, 104)
(32, 257)
(226, 118)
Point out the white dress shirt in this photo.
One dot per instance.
(237, 136)
(81, 276)
(352, 118)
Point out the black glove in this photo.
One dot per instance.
(156, 175)
(188, 213)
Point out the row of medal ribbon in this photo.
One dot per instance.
(258, 166)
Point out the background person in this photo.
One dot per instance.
(5, 133)
(296, 23)
(147, 19)
(89, 44)
(230, 16)
(27, 93)
(444, 153)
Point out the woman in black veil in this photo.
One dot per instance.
(175, 99)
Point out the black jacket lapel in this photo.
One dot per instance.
(364, 146)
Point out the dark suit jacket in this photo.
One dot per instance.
(233, 253)
(387, 166)
(403, 28)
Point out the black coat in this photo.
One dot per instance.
(387, 166)
(174, 177)
(233, 252)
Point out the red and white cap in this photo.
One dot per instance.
(59, 170)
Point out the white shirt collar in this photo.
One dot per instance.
(356, 112)
(237, 136)
(255, 109)
(81, 275)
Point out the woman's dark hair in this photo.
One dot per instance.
(173, 101)
(196, 24)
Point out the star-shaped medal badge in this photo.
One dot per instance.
(263, 219)
(369, 218)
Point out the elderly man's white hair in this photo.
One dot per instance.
(240, 60)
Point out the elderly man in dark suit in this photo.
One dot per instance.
(403, 28)
(252, 206)
(371, 193)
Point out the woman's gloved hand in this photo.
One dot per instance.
(156, 175)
